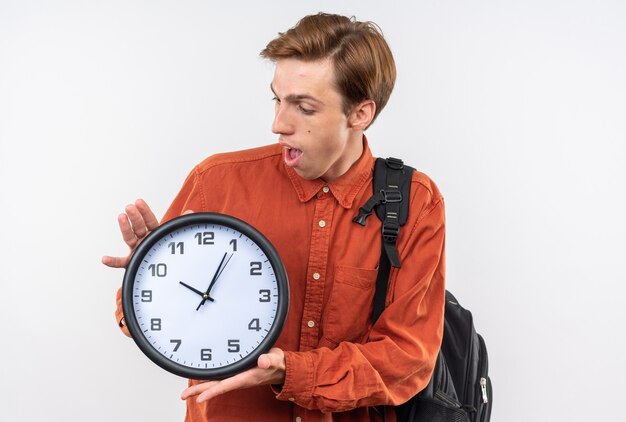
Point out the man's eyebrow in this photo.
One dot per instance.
(297, 97)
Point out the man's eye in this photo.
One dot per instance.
(306, 111)
(275, 99)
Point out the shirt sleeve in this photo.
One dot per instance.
(189, 198)
(398, 358)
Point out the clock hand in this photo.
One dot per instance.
(220, 273)
(196, 291)
(213, 280)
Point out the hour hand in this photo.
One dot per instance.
(197, 291)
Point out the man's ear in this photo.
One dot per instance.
(362, 114)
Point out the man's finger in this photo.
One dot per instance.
(194, 390)
(242, 380)
(115, 261)
(274, 359)
(149, 218)
(210, 389)
(127, 231)
(137, 221)
(264, 362)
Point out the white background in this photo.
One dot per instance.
(517, 109)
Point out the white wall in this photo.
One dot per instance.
(516, 108)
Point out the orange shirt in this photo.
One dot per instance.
(337, 363)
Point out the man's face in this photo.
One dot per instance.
(317, 137)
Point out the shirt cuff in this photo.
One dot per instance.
(299, 379)
(119, 314)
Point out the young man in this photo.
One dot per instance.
(333, 76)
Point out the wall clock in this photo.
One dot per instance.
(204, 295)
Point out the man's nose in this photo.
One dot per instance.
(281, 124)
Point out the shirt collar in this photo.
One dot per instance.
(345, 188)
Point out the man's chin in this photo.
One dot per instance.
(307, 175)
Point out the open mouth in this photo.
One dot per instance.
(292, 156)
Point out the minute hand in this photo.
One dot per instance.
(217, 274)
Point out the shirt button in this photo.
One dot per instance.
(322, 223)
(298, 419)
(316, 276)
(325, 189)
(292, 399)
(311, 324)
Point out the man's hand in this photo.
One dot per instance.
(270, 370)
(135, 223)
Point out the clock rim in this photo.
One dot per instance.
(188, 220)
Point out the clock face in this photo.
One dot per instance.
(204, 295)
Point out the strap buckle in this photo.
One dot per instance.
(389, 196)
(390, 230)
(395, 163)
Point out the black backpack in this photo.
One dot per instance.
(460, 387)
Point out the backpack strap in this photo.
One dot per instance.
(391, 184)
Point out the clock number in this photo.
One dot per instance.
(205, 354)
(255, 268)
(234, 244)
(265, 296)
(146, 295)
(155, 324)
(177, 342)
(233, 346)
(159, 270)
(205, 238)
(255, 325)
(180, 246)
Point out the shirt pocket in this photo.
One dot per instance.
(348, 314)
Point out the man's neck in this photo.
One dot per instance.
(352, 156)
